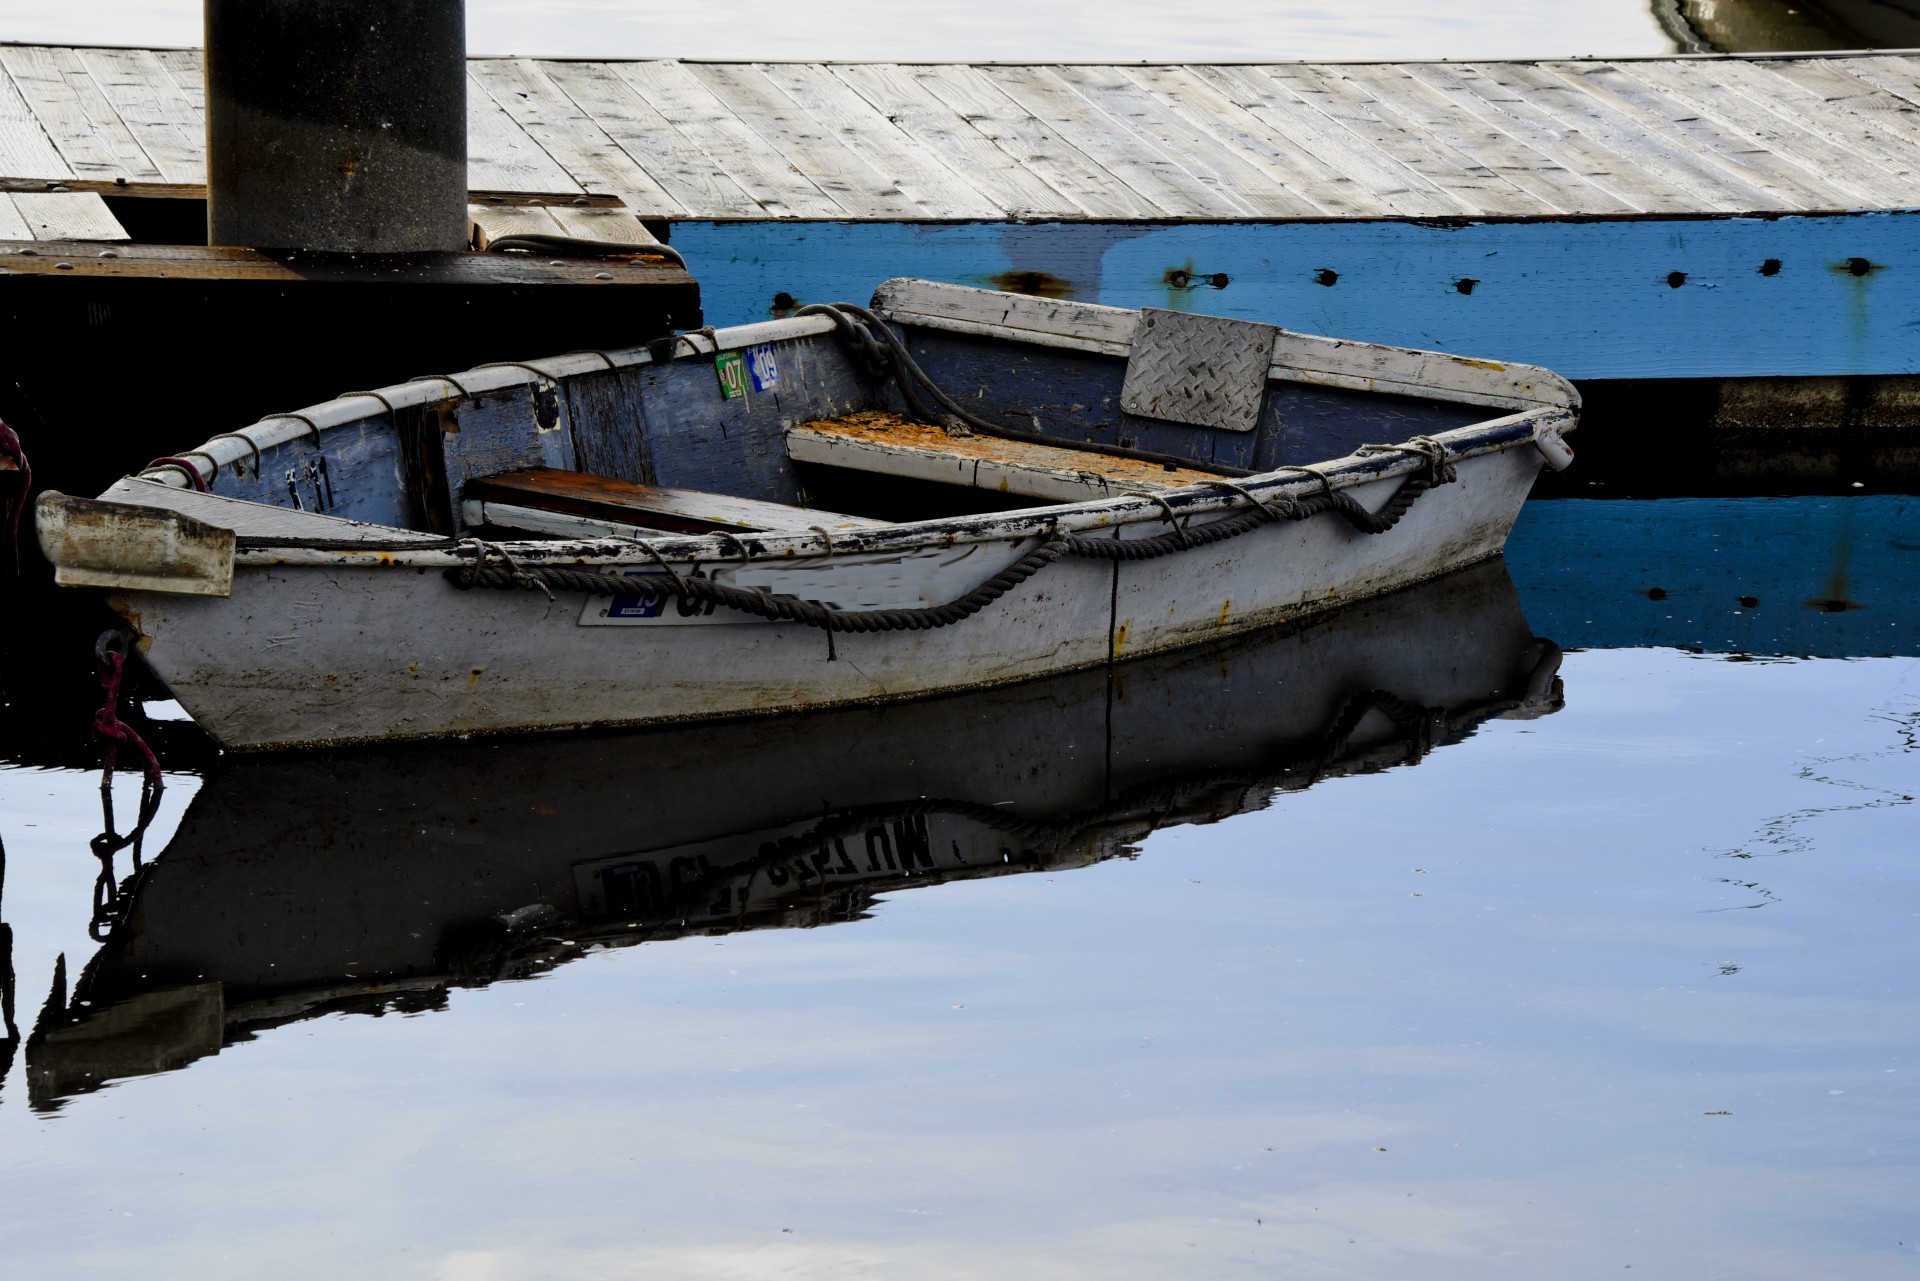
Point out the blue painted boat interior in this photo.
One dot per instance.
(670, 425)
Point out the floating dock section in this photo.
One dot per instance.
(1663, 218)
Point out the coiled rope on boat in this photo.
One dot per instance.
(509, 574)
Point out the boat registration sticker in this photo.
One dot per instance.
(764, 368)
(733, 375)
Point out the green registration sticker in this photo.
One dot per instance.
(733, 375)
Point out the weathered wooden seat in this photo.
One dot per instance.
(894, 446)
(545, 500)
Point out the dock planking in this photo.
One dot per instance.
(1616, 218)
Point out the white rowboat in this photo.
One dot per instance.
(762, 519)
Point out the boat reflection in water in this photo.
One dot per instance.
(377, 881)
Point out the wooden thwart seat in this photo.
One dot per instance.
(546, 500)
(890, 445)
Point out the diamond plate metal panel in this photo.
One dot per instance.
(1208, 371)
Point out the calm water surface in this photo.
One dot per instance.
(1350, 954)
(1515, 988)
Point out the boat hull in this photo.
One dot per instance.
(376, 649)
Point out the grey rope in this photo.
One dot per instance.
(248, 441)
(312, 426)
(1439, 462)
(372, 394)
(543, 375)
(517, 576)
(443, 378)
(213, 464)
(680, 586)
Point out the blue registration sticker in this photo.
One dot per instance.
(640, 605)
(765, 369)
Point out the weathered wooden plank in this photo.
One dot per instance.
(169, 128)
(1180, 143)
(692, 179)
(1036, 144)
(1793, 124)
(811, 147)
(607, 226)
(76, 115)
(1013, 187)
(1431, 112)
(225, 262)
(730, 142)
(1879, 124)
(567, 133)
(493, 222)
(1221, 167)
(1172, 189)
(1390, 187)
(1733, 147)
(1335, 93)
(1325, 189)
(1504, 108)
(942, 187)
(630, 502)
(1677, 178)
(500, 154)
(25, 149)
(1897, 76)
(13, 223)
(887, 445)
(68, 215)
(187, 68)
(1104, 329)
(251, 519)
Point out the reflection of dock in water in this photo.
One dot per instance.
(378, 881)
(1764, 26)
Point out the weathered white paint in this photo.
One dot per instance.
(91, 543)
(323, 647)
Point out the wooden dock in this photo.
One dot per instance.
(1712, 217)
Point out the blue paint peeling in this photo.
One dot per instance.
(1599, 298)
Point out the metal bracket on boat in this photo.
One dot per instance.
(1553, 446)
(1206, 371)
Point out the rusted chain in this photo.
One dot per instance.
(111, 650)
(182, 466)
(14, 506)
(764, 604)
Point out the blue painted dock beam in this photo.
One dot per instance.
(1738, 354)
(1593, 298)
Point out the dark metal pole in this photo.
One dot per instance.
(337, 124)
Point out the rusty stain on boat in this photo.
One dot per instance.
(1038, 284)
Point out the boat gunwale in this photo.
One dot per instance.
(1557, 410)
(1090, 517)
